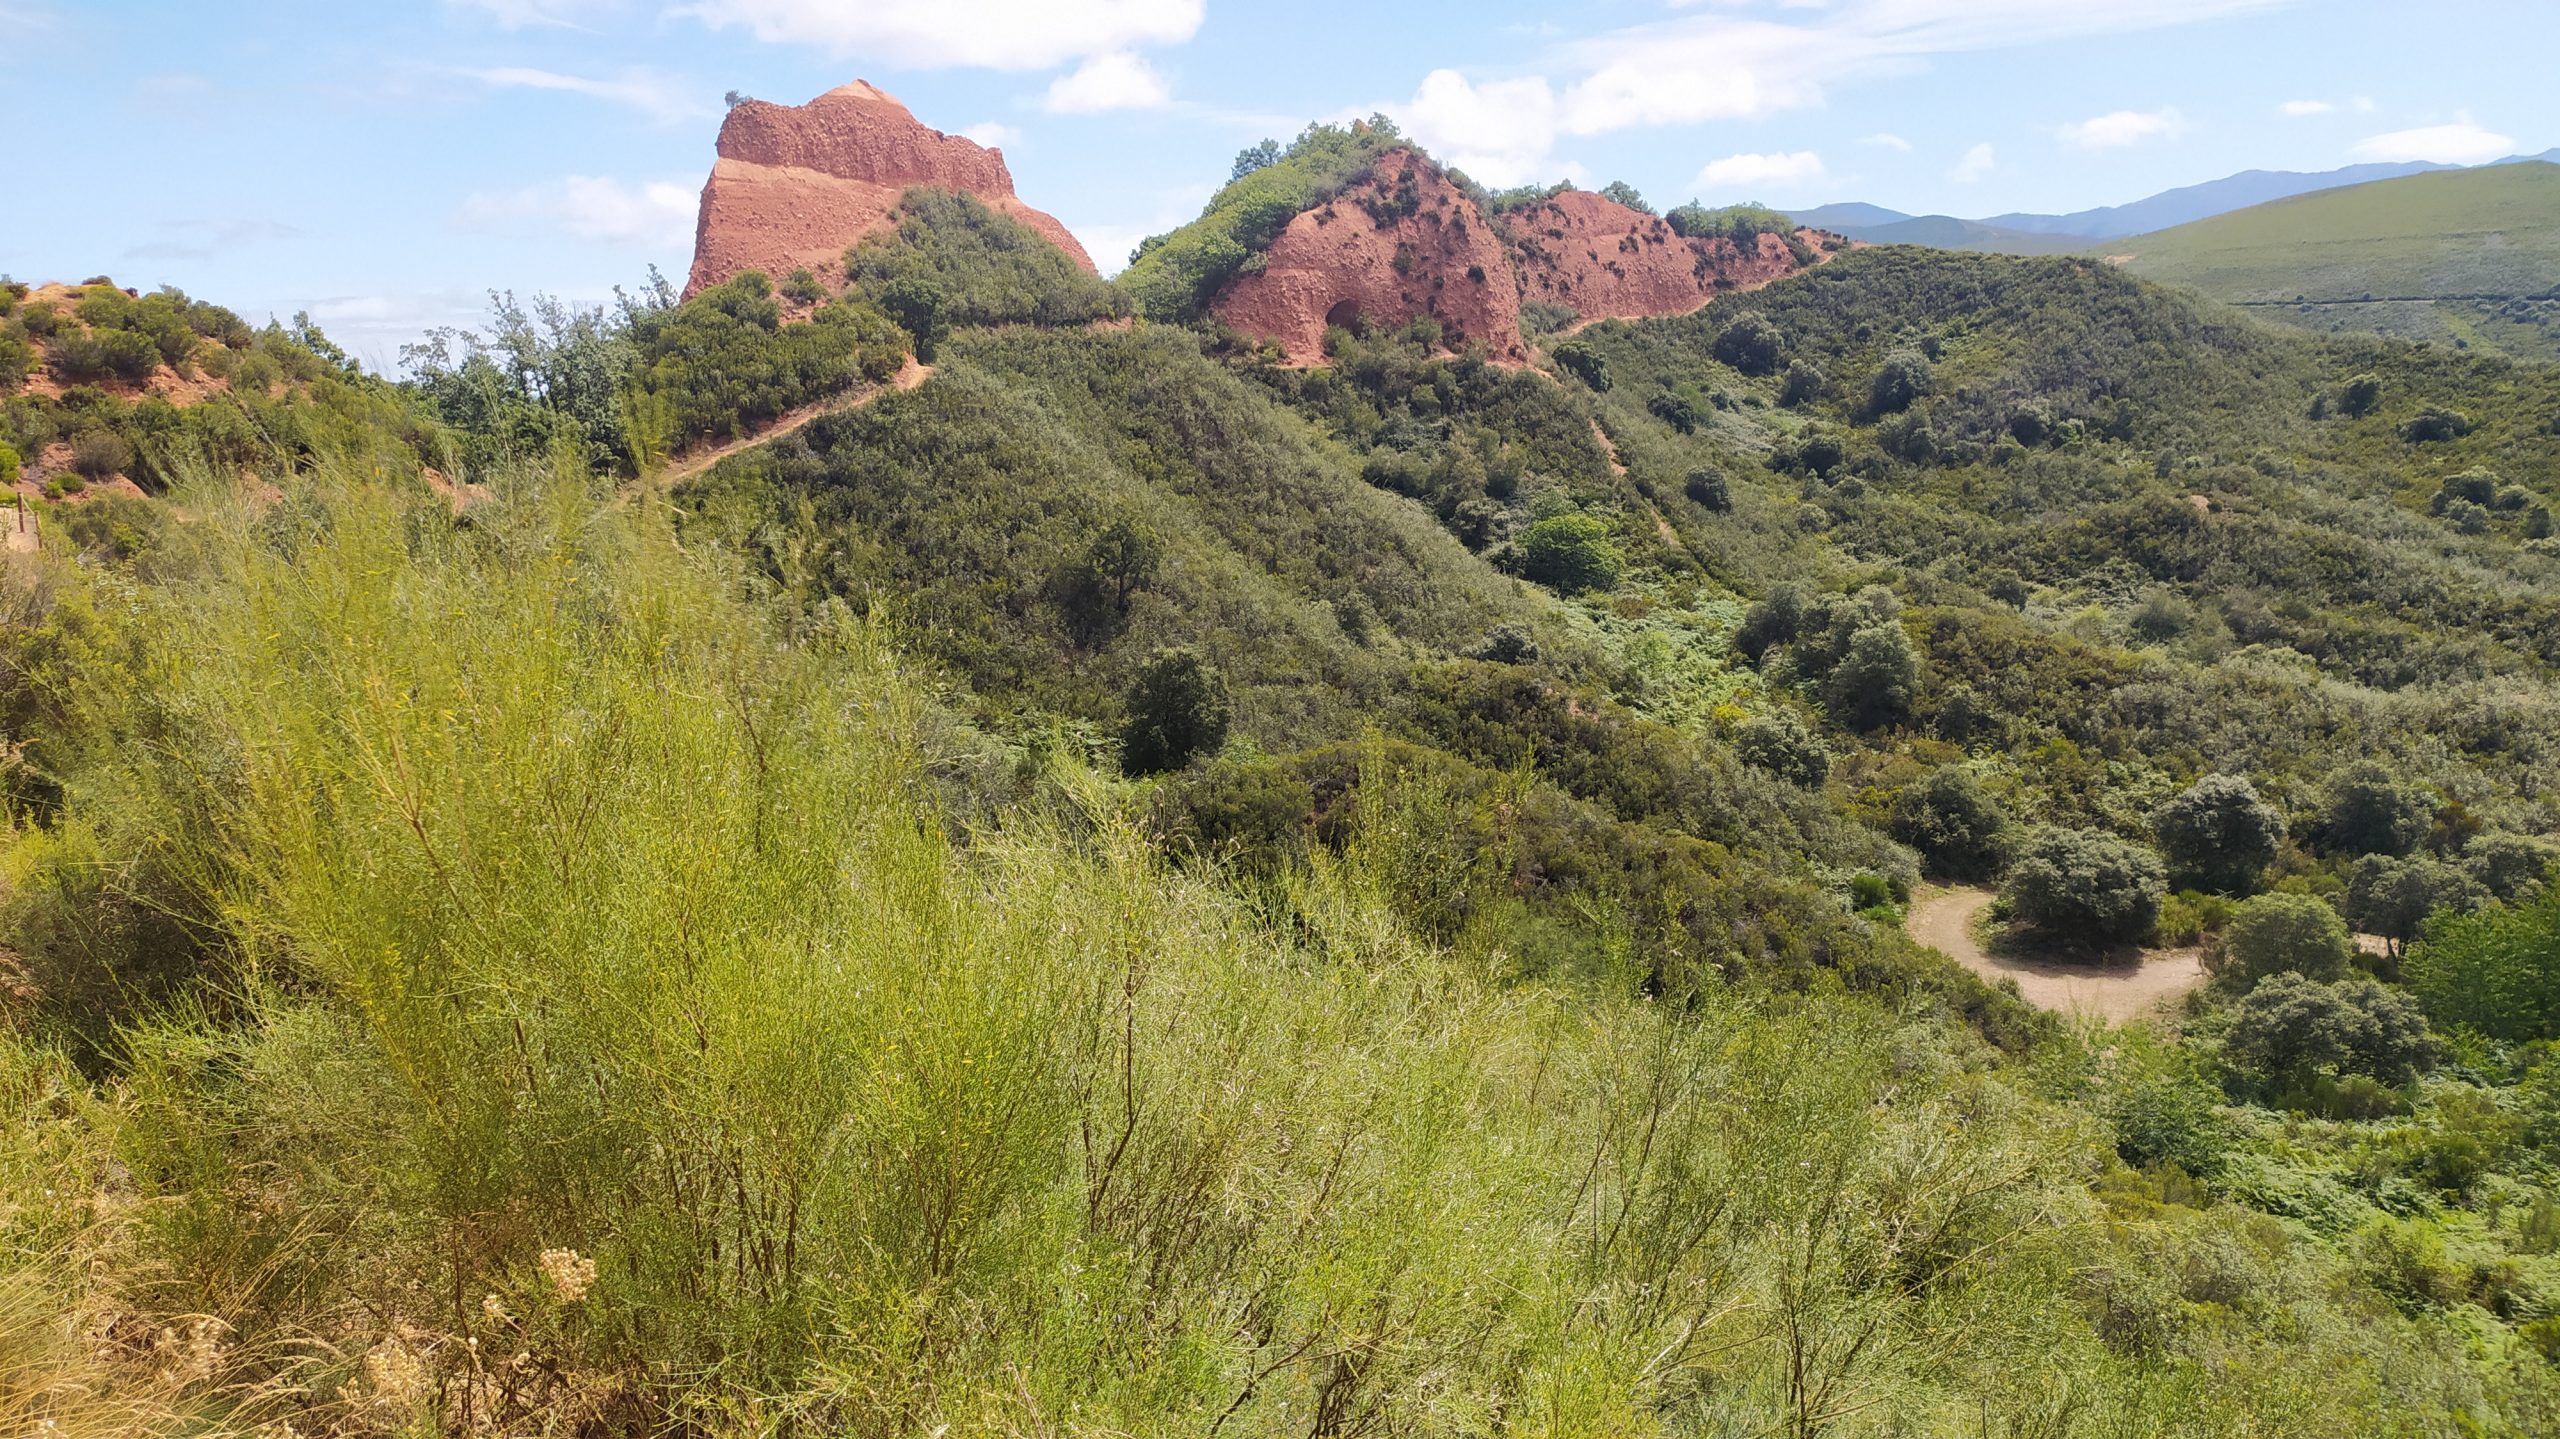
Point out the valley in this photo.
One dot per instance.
(1435, 810)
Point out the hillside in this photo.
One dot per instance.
(1152, 878)
(2470, 255)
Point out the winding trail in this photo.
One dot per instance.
(909, 377)
(1946, 920)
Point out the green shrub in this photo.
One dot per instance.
(2291, 1024)
(1953, 821)
(100, 455)
(1710, 490)
(724, 363)
(1750, 344)
(1582, 362)
(10, 466)
(2218, 835)
(2286, 933)
(2084, 886)
(2496, 971)
(2368, 811)
(1178, 711)
(1900, 383)
(1571, 554)
(2360, 396)
(948, 260)
(1781, 743)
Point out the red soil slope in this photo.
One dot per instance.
(796, 186)
(1398, 245)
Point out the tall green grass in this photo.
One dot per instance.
(558, 908)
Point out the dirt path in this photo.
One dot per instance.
(1945, 920)
(908, 378)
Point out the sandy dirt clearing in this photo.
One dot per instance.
(1947, 920)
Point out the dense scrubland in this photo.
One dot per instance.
(1136, 889)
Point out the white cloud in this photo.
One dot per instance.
(2117, 129)
(2364, 104)
(654, 216)
(2304, 109)
(1977, 162)
(1120, 80)
(1500, 133)
(1720, 65)
(991, 134)
(929, 34)
(1758, 172)
(521, 14)
(1888, 140)
(2460, 143)
(662, 97)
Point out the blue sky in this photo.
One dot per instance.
(382, 163)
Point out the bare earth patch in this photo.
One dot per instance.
(1947, 920)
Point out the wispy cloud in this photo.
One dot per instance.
(1979, 161)
(991, 134)
(1121, 80)
(1886, 139)
(1781, 172)
(536, 14)
(204, 239)
(931, 34)
(2118, 129)
(2305, 109)
(661, 97)
(656, 215)
(1722, 65)
(2460, 143)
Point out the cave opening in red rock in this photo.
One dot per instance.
(1345, 315)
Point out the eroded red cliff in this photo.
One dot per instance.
(1404, 242)
(798, 185)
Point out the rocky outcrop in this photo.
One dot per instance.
(1398, 245)
(1605, 261)
(1403, 243)
(797, 186)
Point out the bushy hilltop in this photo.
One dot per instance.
(1148, 883)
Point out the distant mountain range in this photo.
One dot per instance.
(2049, 234)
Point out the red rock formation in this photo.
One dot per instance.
(797, 186)
(1400, 244)
(1405, 242)
(1607, 262)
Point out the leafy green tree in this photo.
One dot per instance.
(2287, 933)
(2085, 885)
(2496, 970)
(1571, 554)
(1751, 344)
(2218, 835)
(1582, 362)
(1953, 820)
(2370, 812)
(1900, 382)
(1123, 560)
(1874, 681)
(2395, 897)
(1804, 384)
(2361, 396)
(1781, 743)
(921, 308)
(1178, 710)
(2435, 425)
(1506, 644)
(1777, 618)
(1674, 410)
(2291, 1025)
(1710, 490)
(1254, 157)
(2509, 866)
(1625, 194)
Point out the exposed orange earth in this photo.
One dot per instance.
(798, 185)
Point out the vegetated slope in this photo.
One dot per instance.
(1945, 232)
(105, 387)
(2468, 254)
(522, 934)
